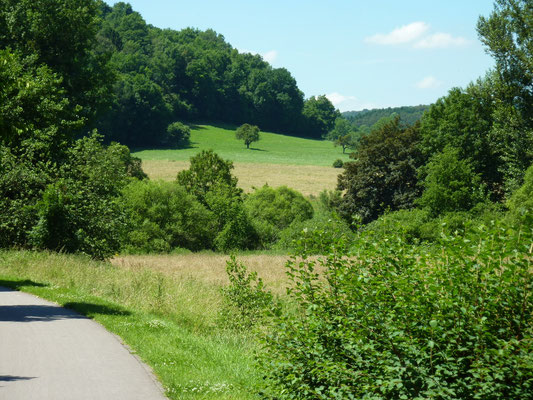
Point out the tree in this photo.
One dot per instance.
(207, 170)
(346, 142)
(450, 184)
(383, 174)
(248, 133)
(319, 116)
(508, 33)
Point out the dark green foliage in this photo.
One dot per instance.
(162, 216)
(178, 135)
(245, 299)
(507, 35)
(273, 210)
(21, 186)
(319, 117)
(392, 321)
(383, 174)
(81, 210)
(167, 75)
(450, 184)
(207, 170)
(61, 35)
(36, 119)
(408, 115)
(338, 163)
(248, 133)
(210, 181)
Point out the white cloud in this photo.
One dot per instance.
(348, 103)
(337, 98)
(403, 34)
(440, 40)
(270, 56)
(429, 82)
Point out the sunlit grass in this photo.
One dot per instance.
(271, 149)
(167, 315)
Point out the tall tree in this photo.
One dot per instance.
(319, 116)
(383, 174)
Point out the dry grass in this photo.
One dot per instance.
(209, 268)
(306, 179)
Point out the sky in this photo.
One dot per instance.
(360, 54)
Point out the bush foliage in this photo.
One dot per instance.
(392, 321)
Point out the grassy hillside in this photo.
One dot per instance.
(302, 164)
(271, 149)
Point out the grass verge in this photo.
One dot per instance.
(169, 321)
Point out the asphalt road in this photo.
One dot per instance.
(51, 353)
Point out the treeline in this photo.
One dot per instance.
(366, 118)
(468, 153)
(164, 75)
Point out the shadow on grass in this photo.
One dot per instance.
(254, 149)
(17, 284)
(90, 309)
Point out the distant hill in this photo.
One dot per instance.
(408, 114)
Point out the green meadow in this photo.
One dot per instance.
(272, 148)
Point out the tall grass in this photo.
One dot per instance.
(170, 321)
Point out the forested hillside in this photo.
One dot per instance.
(408, 114)
(163, 76)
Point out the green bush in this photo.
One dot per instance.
(450, 184)
(245, 299)
(81, 210)
(328, 226)
(521, 202)
(391, 321)
(273, 210)
(177, 135)
(162, 217)
(338, 163)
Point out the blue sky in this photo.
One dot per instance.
(361, 54)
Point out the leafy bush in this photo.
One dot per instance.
(394, 322)
(521, 202)
(273, 210)
(338, 163)
(21, 186)
(245, 299)
(163, 216)
(325, 227)
(178, 135)
(450, 184)
(81, 210)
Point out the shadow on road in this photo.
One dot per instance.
(35, 313)
(16, 284)
(90, 309)
(12, 378)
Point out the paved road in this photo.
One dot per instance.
(51, 353)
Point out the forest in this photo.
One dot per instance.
(411, 280)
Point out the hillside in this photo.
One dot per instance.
(408, 114)
(277, 160)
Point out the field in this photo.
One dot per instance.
(164, 307)
(302, 164)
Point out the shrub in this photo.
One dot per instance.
(450, 184)
(394, 322)
(81, 211)
(521, 202)
(273, 210)
(338, 163)
(177, 135)
(164, 217)
(245, 300)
